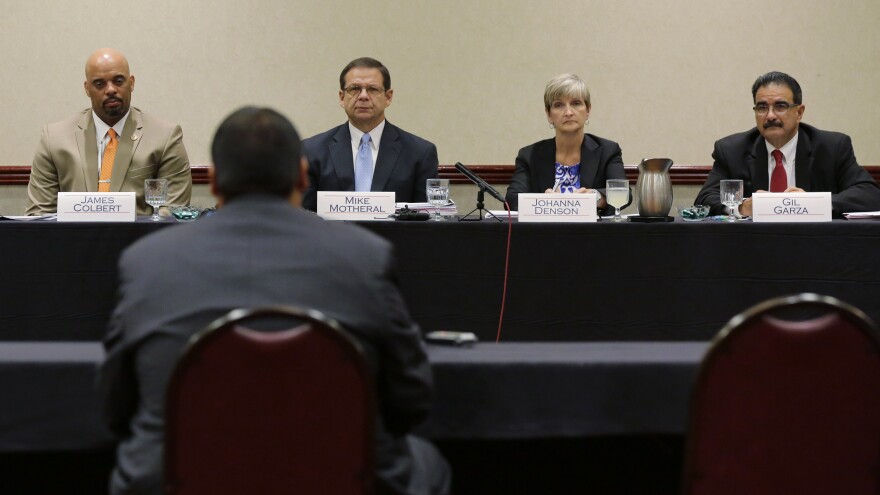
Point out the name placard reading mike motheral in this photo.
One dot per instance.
(557, 207)
(350, 205)
(96, 207)
(791, 207)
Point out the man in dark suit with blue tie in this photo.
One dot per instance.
(368, 153)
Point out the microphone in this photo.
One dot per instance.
(483, 185)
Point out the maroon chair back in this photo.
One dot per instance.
(787, 400)
(270, 412)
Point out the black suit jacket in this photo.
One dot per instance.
(824, 162)
(405, 162)
(536, 171)
(255, 251)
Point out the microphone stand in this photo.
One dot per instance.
(480, 207)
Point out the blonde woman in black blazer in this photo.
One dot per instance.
(573, 161)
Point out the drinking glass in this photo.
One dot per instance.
(731, 196)
(156, 194)
(438, 195)
(616, 195)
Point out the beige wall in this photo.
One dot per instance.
(667, 77)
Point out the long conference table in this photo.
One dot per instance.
(564, 282)
(490, 391)
(603, 325)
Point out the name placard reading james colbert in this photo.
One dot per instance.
(791, 207)
(557, 207)
(350, 205)
(96, 207)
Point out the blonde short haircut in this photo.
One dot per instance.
(565, 86)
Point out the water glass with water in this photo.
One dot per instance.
(156, 194)
(617, 195)
(438, 195)
(732, 196)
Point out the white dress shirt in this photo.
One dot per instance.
(789, 150)
(375, 138)
(101, 136)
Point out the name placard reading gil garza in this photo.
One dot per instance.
(96, 207)
(791, 207)
(350, 205)
(557, 207)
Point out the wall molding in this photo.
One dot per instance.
(18, 175)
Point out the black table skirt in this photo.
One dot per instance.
(566, 282)
(491, 391)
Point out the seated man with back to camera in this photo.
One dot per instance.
(110, 147)
(258, 176)
(782, 154)
(572, 161)
(343, 158)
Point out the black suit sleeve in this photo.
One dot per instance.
(709, 194)
(858, 190)
(139, 463)
(310, 196)
(405, 381)
(427, 167)
(521, 181)
(116, 383)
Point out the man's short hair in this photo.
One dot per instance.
(781, 79)
(565, 86)
(256, 150)
(366, 63)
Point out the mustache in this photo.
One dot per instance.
(774, 123)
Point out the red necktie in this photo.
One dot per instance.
(779, 179)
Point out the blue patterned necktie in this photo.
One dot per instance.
(363, 167)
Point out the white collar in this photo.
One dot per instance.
(788, 149)
(101, 127)
(375, 134)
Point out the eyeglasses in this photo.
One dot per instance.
(355, 90)
(779, 108)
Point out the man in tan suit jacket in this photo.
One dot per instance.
(68, 157)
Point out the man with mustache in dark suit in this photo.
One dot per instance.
(782, 154)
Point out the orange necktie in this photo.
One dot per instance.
(107, 162)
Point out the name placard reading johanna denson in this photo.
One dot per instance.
(791, 207)
(350, 205)
(557, 207)
(96, 207)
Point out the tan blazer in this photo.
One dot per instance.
(66, 160)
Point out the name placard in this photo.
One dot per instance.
(791, 207)
(96, 207)
(557, 207)
(350, 205)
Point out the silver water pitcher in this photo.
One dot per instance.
(654, 187)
